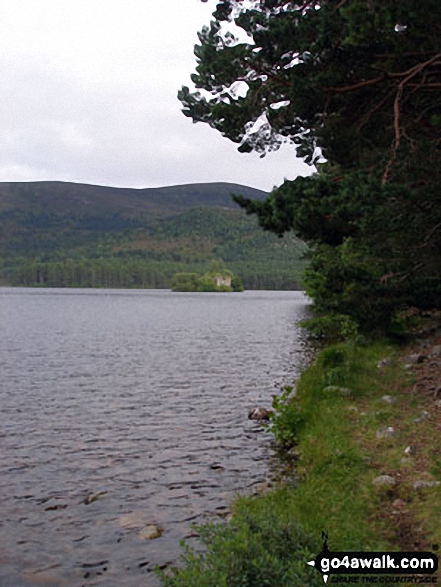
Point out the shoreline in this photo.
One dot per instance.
(362, 432)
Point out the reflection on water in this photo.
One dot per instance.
(127, 410)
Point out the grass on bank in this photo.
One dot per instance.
(337, 427)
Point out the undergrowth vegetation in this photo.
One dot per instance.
(263, 545)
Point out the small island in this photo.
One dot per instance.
(217, 278)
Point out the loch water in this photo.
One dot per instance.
(126, 409)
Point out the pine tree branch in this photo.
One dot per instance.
(407, 75)
(411, 73)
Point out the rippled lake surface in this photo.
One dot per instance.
(125, 409)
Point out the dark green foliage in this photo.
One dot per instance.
(357, 83)
(185, 282)
(372, 251)
(332, 327)
(237, 283)
(288, 421)
(342, 70)
(207, 282)
(263, 546)
(95, 272)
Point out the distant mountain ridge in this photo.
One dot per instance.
(61, 234)
(76, 198)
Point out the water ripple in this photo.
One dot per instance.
(123, 410)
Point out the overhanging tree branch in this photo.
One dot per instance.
(411, 74)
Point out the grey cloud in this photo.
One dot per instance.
(104, 110)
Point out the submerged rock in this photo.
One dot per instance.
(150, 532)
(94, 497)
(216, 467)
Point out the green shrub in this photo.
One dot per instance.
(332, 327)
(185, 282)
(206, 283)
(262, 546)
(236, 283)
(287, 419)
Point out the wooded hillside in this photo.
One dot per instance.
(59, 234)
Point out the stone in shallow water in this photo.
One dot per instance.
(150, 532)
(216, 467)
(137, 521)
(94, 497)
(134, 520)
(259, 414)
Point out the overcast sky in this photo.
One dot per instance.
(88, 94)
